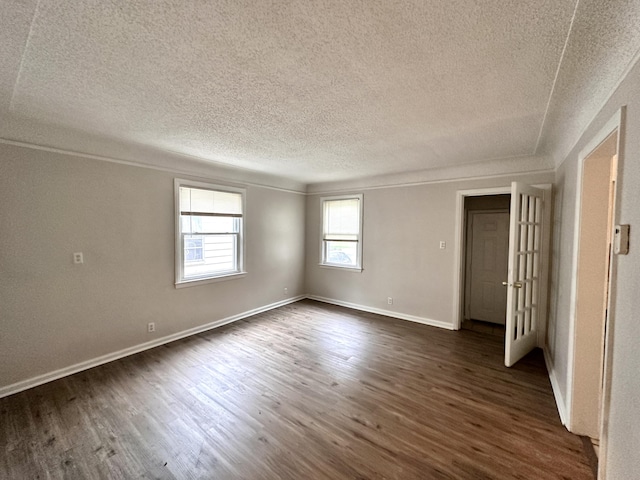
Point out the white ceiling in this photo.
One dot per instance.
(313, 91)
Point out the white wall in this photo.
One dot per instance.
(54, 314)
(403, 226)
(623, 460)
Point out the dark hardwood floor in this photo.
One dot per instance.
(307, 391)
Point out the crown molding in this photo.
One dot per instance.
(182, 166)
(501, 168)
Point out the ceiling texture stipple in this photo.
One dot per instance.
(312, 91)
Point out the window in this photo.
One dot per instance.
(341, 242)
(208, 231)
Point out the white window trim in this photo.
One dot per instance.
(180, 282)
(203, 281)
(322, 263)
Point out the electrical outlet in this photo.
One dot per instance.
(443, 245)
(151, 327)
(389, 300)
(78, 257)
(286, 291)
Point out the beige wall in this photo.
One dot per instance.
(401, 257)
(623, 427)
(54, 314)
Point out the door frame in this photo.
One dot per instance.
(467, 265)
(616, 122)
(460, 249)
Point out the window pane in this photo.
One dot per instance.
(193, 249)
(341, 253)
(218, 255)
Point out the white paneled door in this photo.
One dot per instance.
(487, 299)
(523, 278)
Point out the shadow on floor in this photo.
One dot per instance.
(483, 327)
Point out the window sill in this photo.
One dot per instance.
(339, 267)
(201, 281)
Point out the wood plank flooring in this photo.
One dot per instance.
(307, 391)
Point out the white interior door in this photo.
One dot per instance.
(488, 266)
(523, 278)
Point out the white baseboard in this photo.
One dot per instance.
(386, 313)
(110, 357)
(555, 386)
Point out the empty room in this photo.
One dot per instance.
(319, 240)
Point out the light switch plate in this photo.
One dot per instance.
(621, 239)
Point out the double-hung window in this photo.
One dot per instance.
(208, 231)
(341, 242)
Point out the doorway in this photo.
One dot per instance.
(594, 226)
(528, 265)
(486, 262)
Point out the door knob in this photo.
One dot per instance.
(506, 284)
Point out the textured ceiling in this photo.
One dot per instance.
(313, 91)
(604, 44)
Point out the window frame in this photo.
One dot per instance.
(359, 243)
(180, 281)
